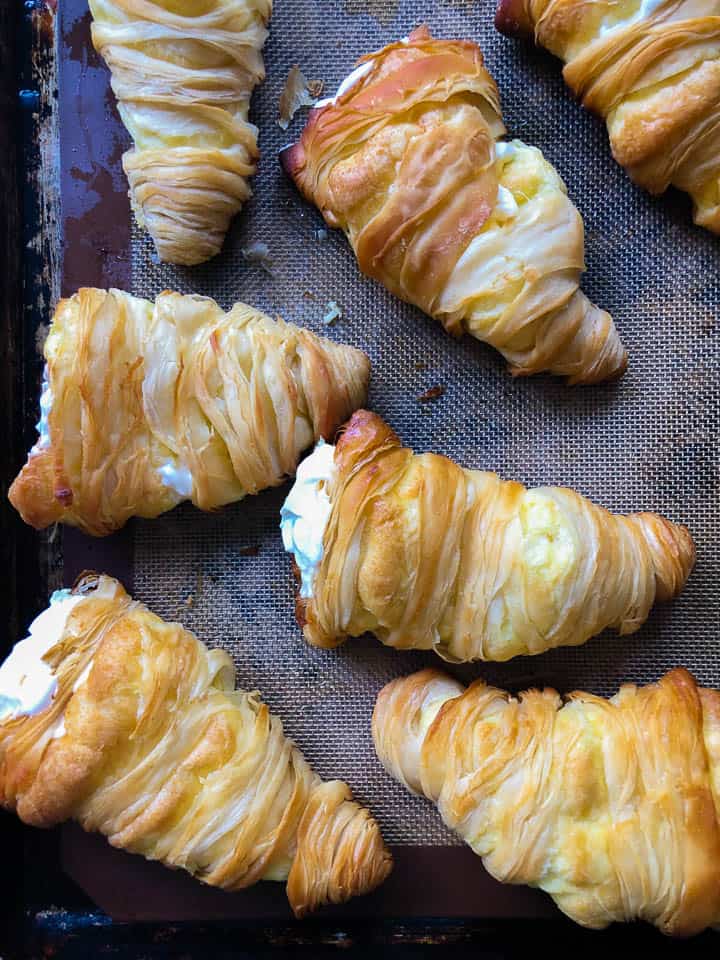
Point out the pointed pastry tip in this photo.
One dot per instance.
(292, 158)
(511, 19)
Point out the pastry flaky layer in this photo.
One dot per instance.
(430, 556)
(153, 403)
(610, 806)
(148, 742)
(478, 233)
(652, 69)
(183, 73)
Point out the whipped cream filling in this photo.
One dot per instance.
(178, 477)
(27, 682)
(306, 511)
(506, 203)
(43, 426)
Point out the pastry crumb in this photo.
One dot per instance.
(316, 88)
(433, 393)
(259, 253)
(333, 313)
(251, 551)
(297, 93)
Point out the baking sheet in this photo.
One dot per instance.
(648, 442)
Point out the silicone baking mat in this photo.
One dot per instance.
(647, 442)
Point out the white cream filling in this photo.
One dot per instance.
(27, 682)
(42, 426)
(506, 203)
(504, 149)
(306, 511)
(177, 477)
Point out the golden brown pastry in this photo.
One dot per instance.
(183, 73)
(651, 68)
(476, 231)
(133, 727)
(429, 556)
(145, 405)
(610, 806)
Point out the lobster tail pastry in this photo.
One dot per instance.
(183, 75)
(428, 555)
(148, 404)
(134, 728)
(478, 232)
(610, 806)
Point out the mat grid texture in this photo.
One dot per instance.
(648, 442)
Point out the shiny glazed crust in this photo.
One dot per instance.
(163, 756)
(653, 73)
(235, 397)
(406, 163)
(430, 556)
(610, 806)
(183, 74)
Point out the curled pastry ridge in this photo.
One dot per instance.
(427, 555)
(610, 806)
(479, 233)
(147, 741)
(652, 70)
(183, 74)
(155, 403)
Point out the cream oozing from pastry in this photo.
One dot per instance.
(306, 511)
(27, 682)
(178, 477)
(43, 426)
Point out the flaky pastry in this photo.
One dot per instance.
(154, 403)
(429, 556)
(147, 741)
(651, 68)
(183, 73)
(478, 232)
(610, 806)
